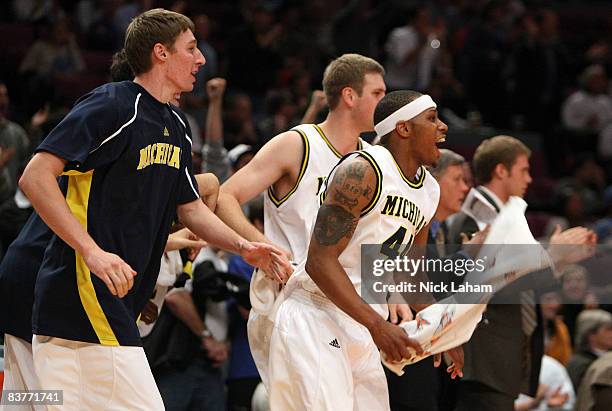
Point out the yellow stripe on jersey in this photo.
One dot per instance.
(77, 198)
(305, 157)
(419, 183)
(329, 144)
(379, 175)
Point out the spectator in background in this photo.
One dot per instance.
(35, 10)
(588, 110)
(57, 55)
(280, 116)
(595, 392)
(238, 124)
(214, 153)
(412, 51)
(254, 49)
(575, 295)
(14, 152)
(593, 339)
(557, 341)
(555, 391)
(191, 377)
(14, 146)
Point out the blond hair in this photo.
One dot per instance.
(348, 70)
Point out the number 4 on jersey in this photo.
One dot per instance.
(392, 246)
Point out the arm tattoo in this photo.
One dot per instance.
(345, 200)
(348, 184)
(333, 223)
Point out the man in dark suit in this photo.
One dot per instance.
(423, 387)
(503, 357)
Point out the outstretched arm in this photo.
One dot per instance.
(279, 159)
(206, 225)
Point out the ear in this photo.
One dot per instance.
(500, 171)
(348, 96)
(404, 129)
(160, 52)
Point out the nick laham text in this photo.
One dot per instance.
(431, 287)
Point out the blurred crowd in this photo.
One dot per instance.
(537, 69)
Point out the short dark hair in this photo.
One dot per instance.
(392, 102)
(496, 150)
(120, 68)
(149, 28)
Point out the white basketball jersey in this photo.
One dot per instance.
(397, 213)
(288, 221)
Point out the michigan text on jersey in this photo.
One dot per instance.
(160, 153)
(399, 206)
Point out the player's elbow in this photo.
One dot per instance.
(228, 192)
(313, 263)
(27, 181)
(208, 184)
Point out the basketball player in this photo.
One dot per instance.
(323, 352)
(291, 168)
(124, 156)
(22, 261)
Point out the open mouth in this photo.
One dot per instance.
(441, 139)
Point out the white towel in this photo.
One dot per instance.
(447, 324)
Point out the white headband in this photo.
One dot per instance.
(407, 112)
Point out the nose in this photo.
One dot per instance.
(442, 126)
(200, 60)
(529, 179)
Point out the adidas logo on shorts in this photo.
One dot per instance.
(334, 343)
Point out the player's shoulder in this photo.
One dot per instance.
(359, 165)
(114, 96)
(286, 151)
(288, 143)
